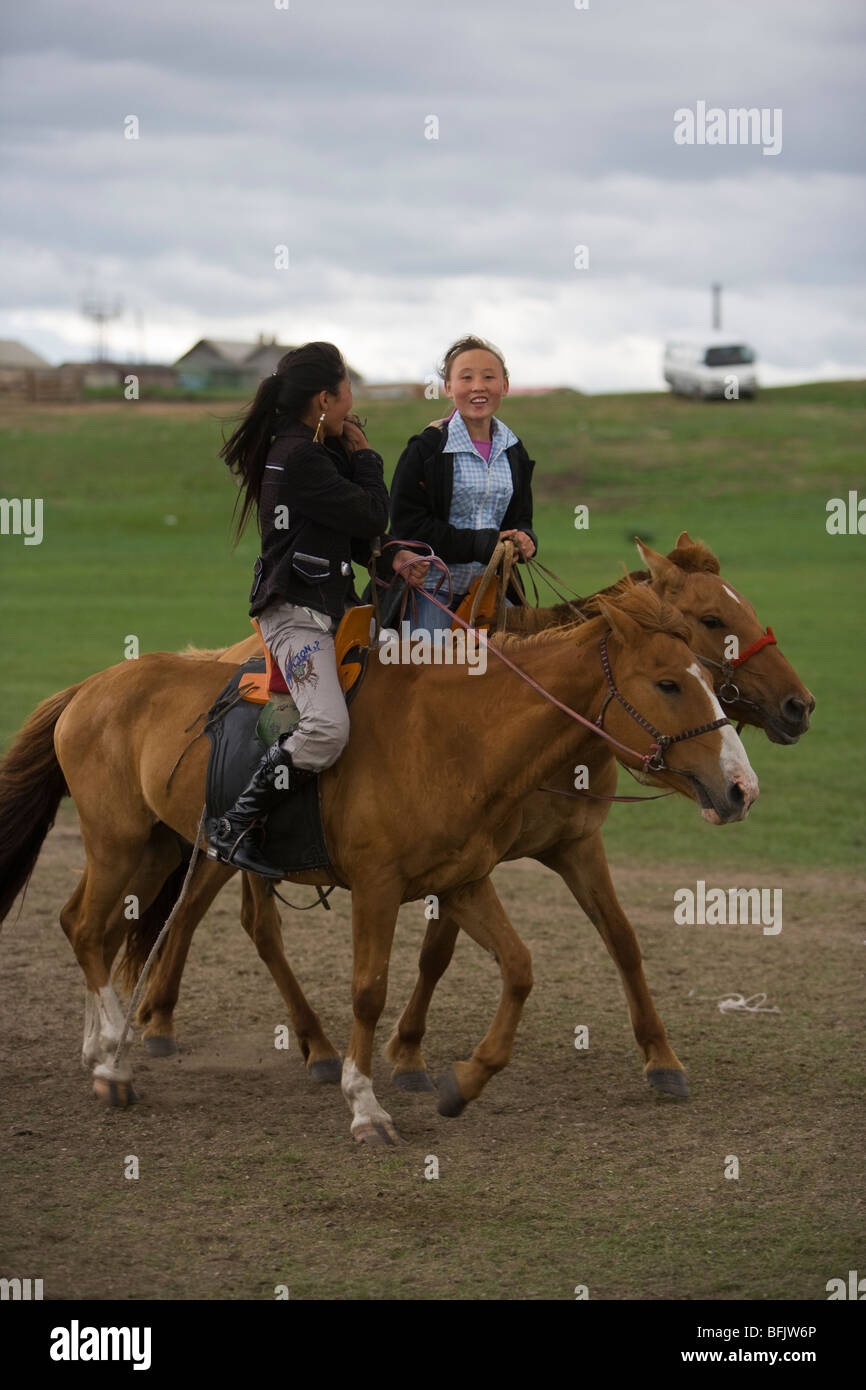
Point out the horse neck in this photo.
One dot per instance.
(524, 737)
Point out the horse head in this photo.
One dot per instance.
(655, 682)
(753, 680)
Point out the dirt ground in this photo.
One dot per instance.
(568, 1171)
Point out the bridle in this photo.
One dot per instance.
(654, 761)
(728, 667)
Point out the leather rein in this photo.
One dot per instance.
(652, 761)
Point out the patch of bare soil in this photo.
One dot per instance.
(567, 1170)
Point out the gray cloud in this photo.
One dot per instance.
(306, 127)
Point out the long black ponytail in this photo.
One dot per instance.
(285, 394)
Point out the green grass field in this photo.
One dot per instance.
(137, 540)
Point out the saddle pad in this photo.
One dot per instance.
(293, 839)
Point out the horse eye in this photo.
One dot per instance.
(712, 622)
(669, 687)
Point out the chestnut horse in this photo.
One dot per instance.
(478, 747)
(559, 830)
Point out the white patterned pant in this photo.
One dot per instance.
(302, 644)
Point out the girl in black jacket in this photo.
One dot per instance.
(306, 469)
(465, 482)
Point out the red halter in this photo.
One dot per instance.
(768, 640)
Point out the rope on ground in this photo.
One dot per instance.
(732, 1002)
(125, 1041)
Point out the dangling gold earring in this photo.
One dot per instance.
(318, 427)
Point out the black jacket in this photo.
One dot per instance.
(421, 500)
(334, 504)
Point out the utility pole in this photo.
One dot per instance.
(717, 308)
(100, 313)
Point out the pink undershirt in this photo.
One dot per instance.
(482, 445)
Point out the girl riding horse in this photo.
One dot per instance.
(305, 467)
(464, 483)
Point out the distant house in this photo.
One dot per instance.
(213, 363)
(14, 354)
(26, 376)
(106, 374)
(392, 390)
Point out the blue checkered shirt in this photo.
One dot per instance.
(481, 491)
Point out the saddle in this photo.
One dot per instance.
(484, 604)
(486, 610)
(254, 709)
(351, 642)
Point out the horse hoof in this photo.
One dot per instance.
(413, 1081)
(376, 1135)
(115, 1093)
(669, 1082)
(451, 1102)
(160, 1045)
(328, 1071)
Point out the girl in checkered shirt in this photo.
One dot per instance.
(465, 482)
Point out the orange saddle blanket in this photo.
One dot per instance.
(351, 641)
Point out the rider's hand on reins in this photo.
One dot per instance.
(525, 544)
(416, 569)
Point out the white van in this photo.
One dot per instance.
(703, 369)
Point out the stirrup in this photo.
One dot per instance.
(241, 853)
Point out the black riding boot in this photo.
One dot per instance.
(232, 838)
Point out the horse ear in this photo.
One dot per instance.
(662, 570)
(683, 539)
(624, 627)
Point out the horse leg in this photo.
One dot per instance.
(110, 862)
(374, 917)
(482, 916)
(161, 856)
(156, 1010)
(404, 1046)
(261, 921)
(582, 864)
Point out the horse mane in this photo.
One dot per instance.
(651, 612)
(694, 558)
(633, 598)
(203, 653)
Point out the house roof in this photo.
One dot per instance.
(261, 356)
(229, 350)
(15, 354)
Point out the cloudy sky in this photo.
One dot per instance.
(306, 124)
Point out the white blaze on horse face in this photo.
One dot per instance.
(358, 1090)
(731, 592)
(734, 760)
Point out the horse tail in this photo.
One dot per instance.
(144, 930)
(32, 786)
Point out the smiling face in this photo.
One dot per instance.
(476, 384)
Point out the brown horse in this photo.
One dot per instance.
(477, 746)
(559, 830)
